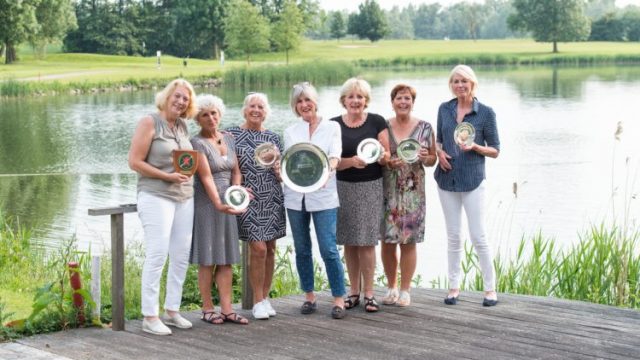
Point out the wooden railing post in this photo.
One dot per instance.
(247, 291)
(117, 260)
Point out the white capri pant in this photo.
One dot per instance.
(473, 204)
(168, 229)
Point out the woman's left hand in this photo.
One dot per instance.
(464, 147)
(395, 163)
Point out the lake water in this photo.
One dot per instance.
(65, 154)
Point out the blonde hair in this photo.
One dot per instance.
(355, 84)
(208, 102)
(299, 90)
(260, 96)
(163, 96)
(467, 73)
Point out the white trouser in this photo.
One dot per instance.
(167, 228)
(473, 204)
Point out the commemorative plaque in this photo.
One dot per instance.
(305, 168)
(464, 133)
(266, 155)
(237, 197)
(408, 150)
(369, 150)
(185, 161)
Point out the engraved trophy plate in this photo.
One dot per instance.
(464, 133)
(408, 150)
(185, 161)
(266, 155)
(369, 150)
(305, 168)
(237, 197)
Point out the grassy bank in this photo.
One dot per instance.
(318, 61)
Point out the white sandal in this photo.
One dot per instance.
(404, 299)
(391, 297)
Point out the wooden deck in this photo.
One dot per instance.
(520, 327)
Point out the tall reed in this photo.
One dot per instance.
(318, 72)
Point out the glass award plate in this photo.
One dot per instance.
(464, 133)
(237, 197)
(369, 150)
(185, 161)
(266, 155)
(305, 168)
(408, 150)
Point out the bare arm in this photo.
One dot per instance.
(204, 172)
(383, 138)
(428, 155)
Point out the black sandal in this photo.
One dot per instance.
(352, 301)
(236, 319)
(370, 304)
(338, 313)
(308, 307)
(212, 317)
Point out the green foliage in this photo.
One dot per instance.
(7, 332)
(18, 23)
(604, 268)
(287, 31)
(607, 28)
(199, 28)
(270, 75)
(56, 18)
(551, 20)
(247, 32)
(369, 23)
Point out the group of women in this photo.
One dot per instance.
(361, 204)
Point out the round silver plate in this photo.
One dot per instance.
(464, 133)
(305, 168)
(408, 150)
(266, 155)
(369, 150)
(237, 197)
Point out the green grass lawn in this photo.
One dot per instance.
(94, 68)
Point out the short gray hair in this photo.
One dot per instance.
(356, 84)
(260, 96)
(466, 72)
(303, 89)
(208, 102)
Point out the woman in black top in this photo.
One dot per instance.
(360, 191)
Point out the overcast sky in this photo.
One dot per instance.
(352, 5)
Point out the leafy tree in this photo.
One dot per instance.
(370, 22)
(551, 20)
(400, 24)
(246, 30)
(426, 23)
(287, 31)
(495, 26)
(204, 35)
(337, 25)
(607, 28)
(631, 21)
(55, 18)
(18, 23)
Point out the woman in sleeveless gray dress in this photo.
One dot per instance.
(215, 244)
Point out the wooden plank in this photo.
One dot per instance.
(518, 328)
(120, 209)
(247, 291)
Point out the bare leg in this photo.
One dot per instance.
(367, 255)
(205, 279)
(258, 254)
(353, 268)
(224, 275)
(389, 256)
(269, 267)
(408, 259)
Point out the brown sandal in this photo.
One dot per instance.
(370, 304)
(352, 301)
(234, 318)
(212, 317)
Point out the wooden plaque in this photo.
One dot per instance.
(185, 161)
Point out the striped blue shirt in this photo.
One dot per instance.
(467, 167)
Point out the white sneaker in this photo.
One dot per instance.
(155, 327)
(267, 305)
(178, 321)
(259, 311)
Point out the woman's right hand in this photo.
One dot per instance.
(395, 163)
(177, 178)
(443, 161)
(357, 162)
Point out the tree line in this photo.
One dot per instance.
(202, 28)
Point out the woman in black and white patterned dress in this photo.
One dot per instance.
(264, 221)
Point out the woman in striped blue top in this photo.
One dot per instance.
(460, 176)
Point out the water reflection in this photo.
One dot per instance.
(63, 155)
